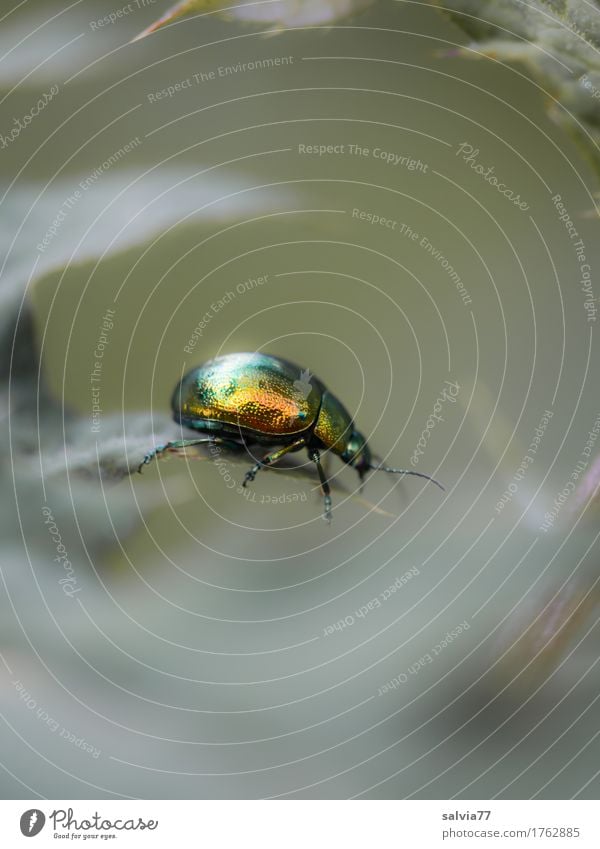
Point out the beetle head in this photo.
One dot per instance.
(357, 453)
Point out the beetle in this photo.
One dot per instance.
(240, 400)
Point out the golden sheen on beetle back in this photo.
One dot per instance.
(249, 391)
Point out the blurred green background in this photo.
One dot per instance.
(194, 656)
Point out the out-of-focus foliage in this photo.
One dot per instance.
(200, 674)
(277, 14)
(559, 43)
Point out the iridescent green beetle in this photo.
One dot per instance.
(240, 400)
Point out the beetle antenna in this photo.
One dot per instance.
(405, 472)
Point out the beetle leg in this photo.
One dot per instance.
(272, 458)
(182, 443)
(325, 488)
